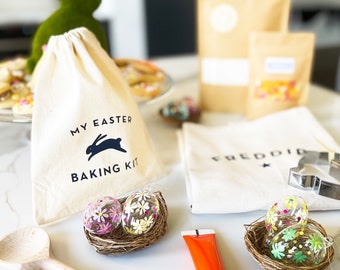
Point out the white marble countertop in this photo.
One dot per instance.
(68, 242)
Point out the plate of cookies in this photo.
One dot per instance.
(146, 80)
(16, 97)
(147, 83)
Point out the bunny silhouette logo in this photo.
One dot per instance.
(110, 143)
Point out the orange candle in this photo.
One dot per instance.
(203, 249)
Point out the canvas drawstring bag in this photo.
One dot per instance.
(88, 137)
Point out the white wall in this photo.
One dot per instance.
(16, 11)
(126, 27)
(127, 33)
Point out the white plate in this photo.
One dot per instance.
(6, 115)
(165, 89)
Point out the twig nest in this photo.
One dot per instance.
(179, 111)
(255, 237)
(288, 239)
(119, 241)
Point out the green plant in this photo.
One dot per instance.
(71, 14)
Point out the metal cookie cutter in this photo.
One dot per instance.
(325, 184)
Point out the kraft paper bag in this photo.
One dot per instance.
(279, 74)
(223, 36)
(88, 137)
(245, 167)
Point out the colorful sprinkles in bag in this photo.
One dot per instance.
(277, 90)
(279, 71)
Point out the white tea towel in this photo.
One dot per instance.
(245, 167)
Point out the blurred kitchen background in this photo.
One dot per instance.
(152, 28)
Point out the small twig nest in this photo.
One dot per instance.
(255, 242)
(119, 242)
(179, 111)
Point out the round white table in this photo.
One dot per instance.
(68, 242)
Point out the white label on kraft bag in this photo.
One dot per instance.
(222, 71)
(279, 65)
(223, 18)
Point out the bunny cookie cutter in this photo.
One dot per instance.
(324, 184)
